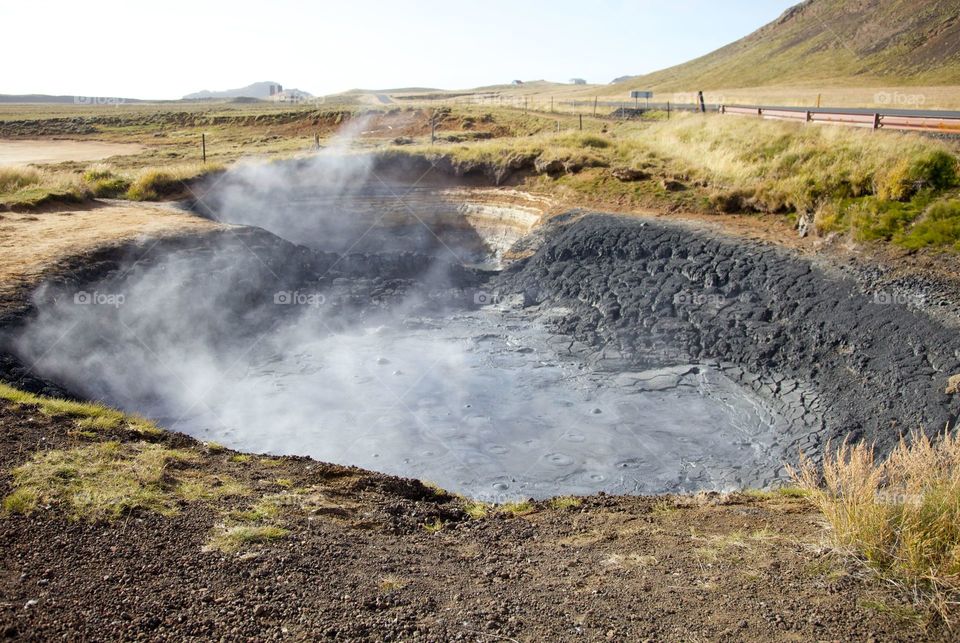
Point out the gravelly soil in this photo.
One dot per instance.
(615, 568)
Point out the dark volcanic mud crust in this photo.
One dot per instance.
(656, 292)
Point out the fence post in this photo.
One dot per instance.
(668, 110)
(876, 121)
(594, 106)
(581, 122)
(203, 146)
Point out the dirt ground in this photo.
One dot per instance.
(33, 243)
(370, 563)
(21, 152)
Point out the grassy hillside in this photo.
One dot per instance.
(867, 42)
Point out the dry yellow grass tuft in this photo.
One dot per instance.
(900, 515)
(154, 183)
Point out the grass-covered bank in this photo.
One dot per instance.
(893, 187)
(27, 187)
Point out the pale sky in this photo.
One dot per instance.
(165, 49)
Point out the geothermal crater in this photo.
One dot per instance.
(398, 320)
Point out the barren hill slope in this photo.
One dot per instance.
(914, 42)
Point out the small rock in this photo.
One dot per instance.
(543, 166)
(953, 385)
(627, 174)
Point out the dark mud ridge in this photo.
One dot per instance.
(856, 363)
(381, 325)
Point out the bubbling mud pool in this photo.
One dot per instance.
(484, 401)
(488, 404)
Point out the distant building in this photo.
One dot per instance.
(276, 89)
(290, 96)
(578, 81)
(517, 82)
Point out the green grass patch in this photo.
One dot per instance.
(90, 416)
(938, 226)
(563, 503)
(232, 539)
(521, 508)
(788, 491)
(99, 482)
(104, 183)
(262, 510)
(205, 487)
(153, 184)
(28, 187)
(476, 510)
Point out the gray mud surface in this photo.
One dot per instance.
(874, 366)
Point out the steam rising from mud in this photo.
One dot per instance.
(380, 359)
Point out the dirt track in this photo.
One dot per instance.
(19, 152)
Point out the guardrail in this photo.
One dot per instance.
(915, 122)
